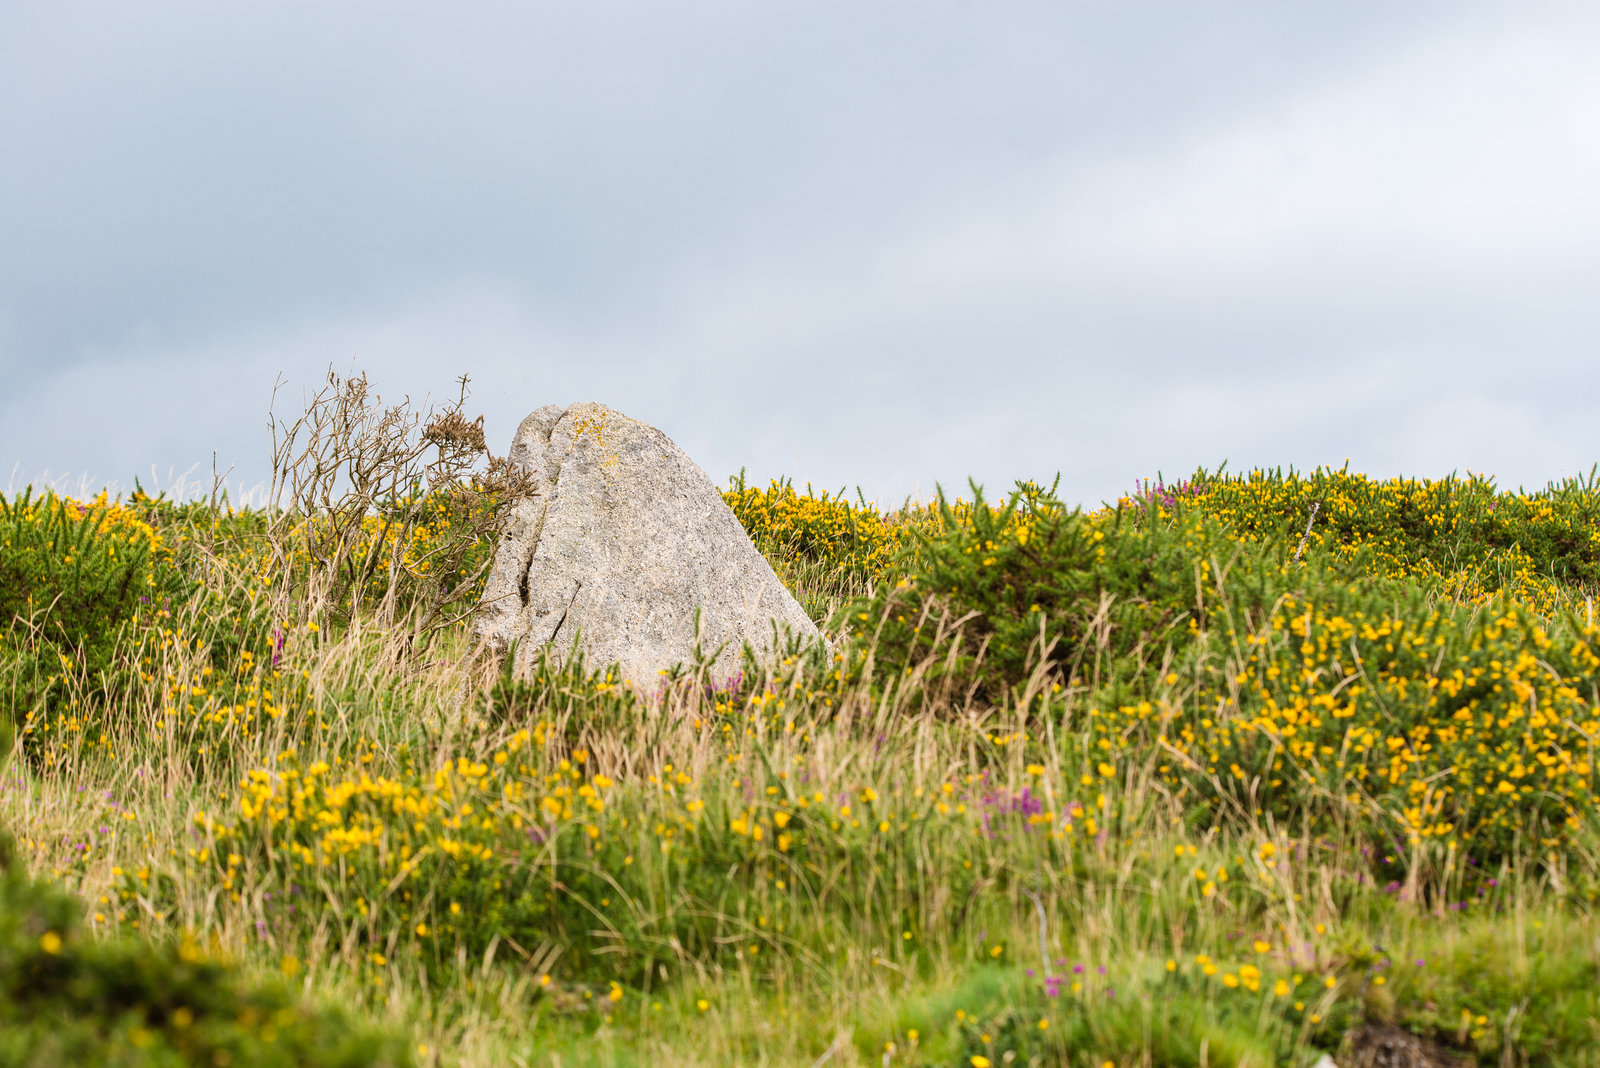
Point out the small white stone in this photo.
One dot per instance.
(622, 541)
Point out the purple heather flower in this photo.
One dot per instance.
(1027, 804)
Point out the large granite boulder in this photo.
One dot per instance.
(625, 544)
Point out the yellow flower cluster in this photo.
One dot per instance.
(1449, 730)
(1250, 978)
(111, 523)
(115, 521)
(463, 810)
(324, 817)
(829, 529)
(1460, 536)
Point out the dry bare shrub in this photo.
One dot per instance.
(383, 514)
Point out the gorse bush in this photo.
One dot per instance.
(1252, 684)
(531, 847)
(106, 596)
(74, 573)
(411, 547)
(1460, 535)
(205, 641)
(829, 549)
(994, 593)
(1439, 727)
(76, 579)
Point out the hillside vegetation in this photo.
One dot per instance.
(1171, 781)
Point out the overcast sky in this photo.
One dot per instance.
(885, 244)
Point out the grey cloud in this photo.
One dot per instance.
(891, 245)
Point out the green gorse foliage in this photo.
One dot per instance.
(76, 571)
(75, 581)
(1034, 585)
(1462, 535)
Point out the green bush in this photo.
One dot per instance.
(69, 999)
(1469, 730)
(1250, 684)
(1462, 533)
(829, 548)
(75, 573)
(74, 577)
(1097, 598)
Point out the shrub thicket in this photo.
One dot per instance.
(990, 594)
(1463, 536)
(76, 580)
(1319, 690)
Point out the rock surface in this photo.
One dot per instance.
(620, 543)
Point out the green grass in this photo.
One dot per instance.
(1038, 799)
